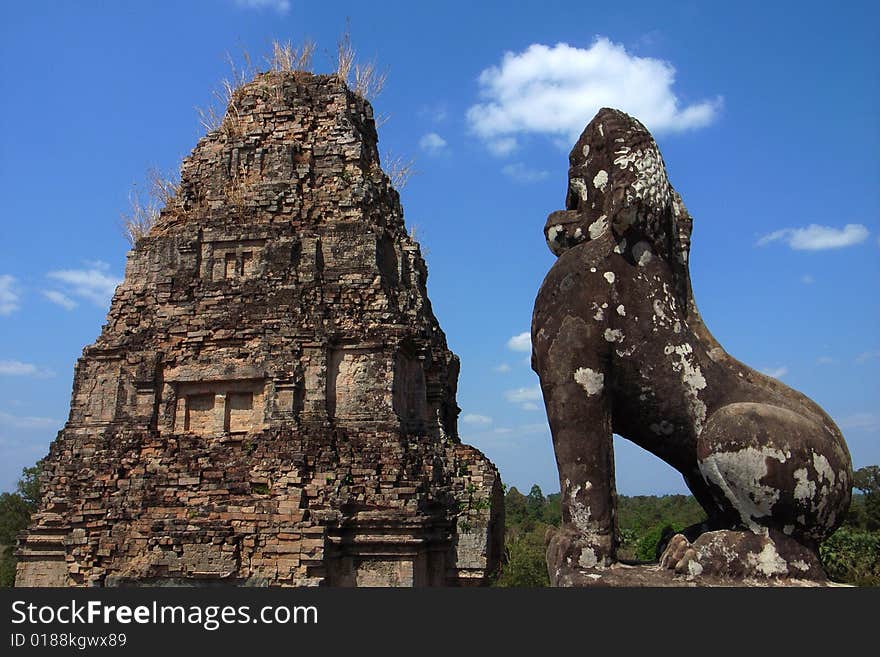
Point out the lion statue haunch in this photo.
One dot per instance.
(620, 347)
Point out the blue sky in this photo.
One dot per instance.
(766, 113)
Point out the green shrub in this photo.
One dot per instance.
(7, 566)
(646, 548)
(525, 560)
(852, 556)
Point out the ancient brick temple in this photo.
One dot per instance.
(272, 401)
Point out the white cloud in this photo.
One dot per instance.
(60, 299)
(523, 395)
(864, 421)
(474, 418)
(503, 368)
(806, 279)
(17, 368)
(93, 284)
(97, 264)
(432, 143)
(27, 422)
(826, 360)
(436, 112)
(502, 147)
(537, 427)
(281, 6)
(865, 356)
(817, 238)
(8, 295)
(520, 342)
(555, 90)
(511, 436)
(521, 173)
(775, 372)
(530, 406)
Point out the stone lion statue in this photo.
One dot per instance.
(620, 347)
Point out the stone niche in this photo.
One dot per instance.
(41, 560)
(289, 399)
(383, 549)
(368, 384)
(215, 407)
(410, 392)
(232, 260)
(357, 385)
(387, 261)
(381, 571)
(96, 392)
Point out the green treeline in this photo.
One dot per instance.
(15, 513)
(850, 555)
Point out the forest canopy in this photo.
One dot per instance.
(645, 522)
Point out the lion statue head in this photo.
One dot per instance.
(617, 186)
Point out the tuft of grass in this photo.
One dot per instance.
(287, 58)
(144, 208)
(399, 170)
(239, 185)
(209, 118)
(381, 119)
(344, 56)
(140, 218)
(368, 80)
(223, 112)
(163, 188)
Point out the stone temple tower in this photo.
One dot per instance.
(271, 401)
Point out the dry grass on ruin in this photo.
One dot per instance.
(368, 79)
(144, 207)
(223, 113)
(286, 58)
(399, 170)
